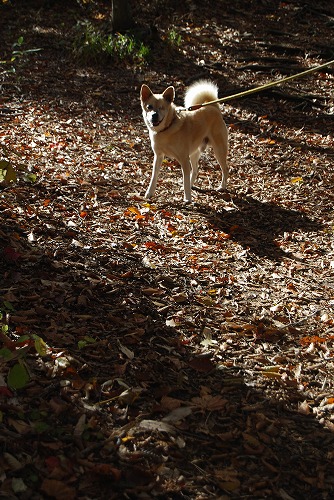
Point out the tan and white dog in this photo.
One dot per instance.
(184, 134)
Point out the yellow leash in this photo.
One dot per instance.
(262, 87)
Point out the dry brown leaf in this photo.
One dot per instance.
(209, 403)
(168, 403)
(202, 364)
(58, 489)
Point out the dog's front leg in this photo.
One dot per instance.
(155, 174)
(186, 170)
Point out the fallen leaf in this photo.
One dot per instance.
(125, 350)
(58, 489)
(156, 425)
(209, 403)
(178, 414)
(18, 377)
(202, 364)
(152, 291)
(107, 470)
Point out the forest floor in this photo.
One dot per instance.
(152, 349)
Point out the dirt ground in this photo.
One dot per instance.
(152, 349)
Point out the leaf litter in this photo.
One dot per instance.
(152, 349)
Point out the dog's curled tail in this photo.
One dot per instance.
(200, 92)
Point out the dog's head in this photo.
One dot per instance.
(156, 107)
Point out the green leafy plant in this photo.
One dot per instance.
(18, 53)
(92, 44)
(174, 38)
(9, 170)
(86, 341)
(18, 50)
(18, 375)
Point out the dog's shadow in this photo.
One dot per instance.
(261, 227)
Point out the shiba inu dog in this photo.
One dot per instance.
(184, 134)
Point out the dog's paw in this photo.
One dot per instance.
(222, 186)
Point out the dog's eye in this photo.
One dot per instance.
(149, 107)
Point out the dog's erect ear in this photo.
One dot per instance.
(145, 93)
(169, 94)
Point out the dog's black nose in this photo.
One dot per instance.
(155, 117)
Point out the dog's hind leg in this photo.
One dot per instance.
(219, 146)
(194, 157)
(154, 177)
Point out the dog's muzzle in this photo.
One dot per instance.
(155, 119)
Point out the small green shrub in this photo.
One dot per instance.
(18, 50)
(19, 53)
(174, 38)
(91, 44)
(11, 171)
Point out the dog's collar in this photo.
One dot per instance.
(167, 126)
